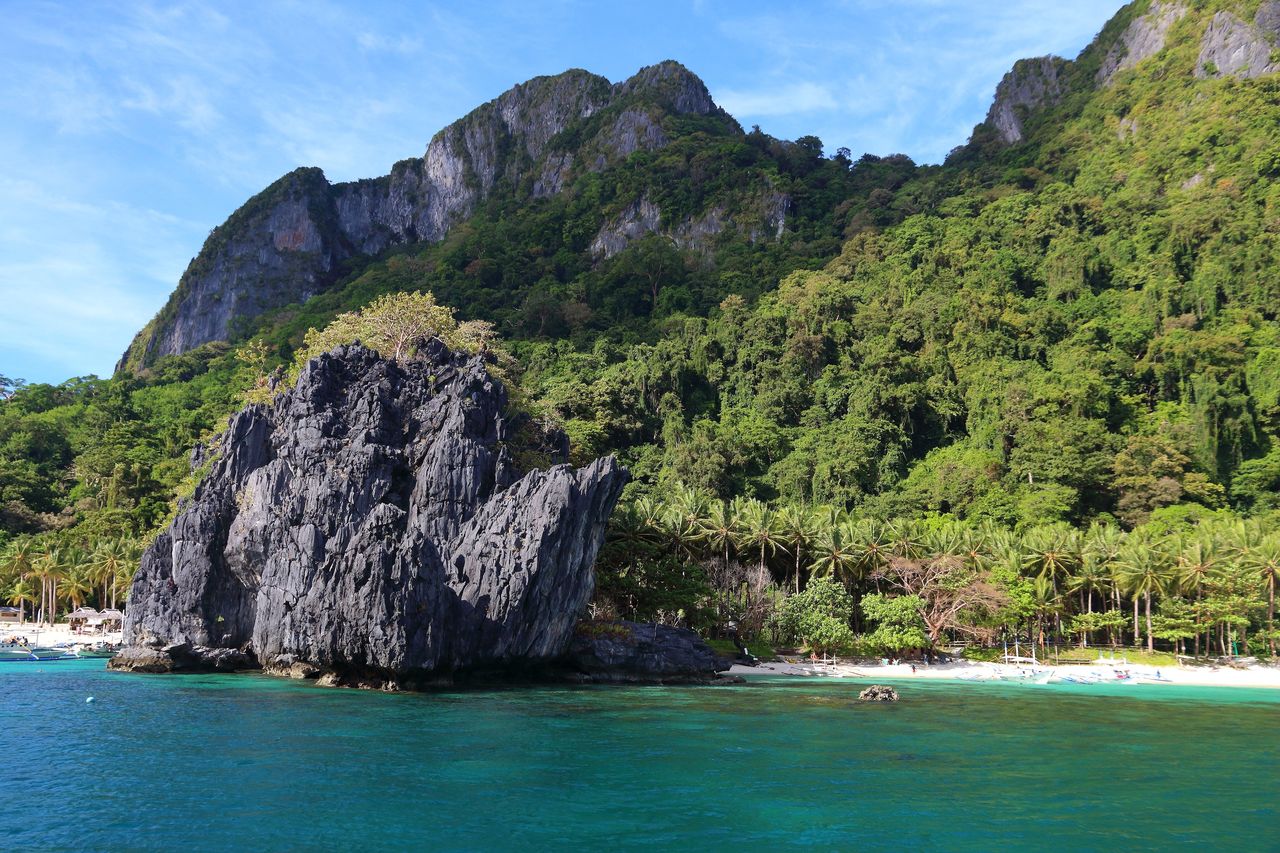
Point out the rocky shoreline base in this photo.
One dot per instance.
(618, 652)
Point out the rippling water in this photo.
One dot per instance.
(246, 762)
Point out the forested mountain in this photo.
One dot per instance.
(1073, 318)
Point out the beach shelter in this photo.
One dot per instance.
(111, 619)
(82, 616)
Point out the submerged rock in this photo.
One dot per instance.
(629, 652)
(371, 528)
(878, 693)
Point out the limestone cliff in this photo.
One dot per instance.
(1144, 37)
(1032, 84)
(371, 528)
(284, 245)
(1231, 47)
(1240, 40)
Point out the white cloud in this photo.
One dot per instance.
(402, 44)
(776, 101)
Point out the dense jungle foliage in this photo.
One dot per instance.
(1079, 330)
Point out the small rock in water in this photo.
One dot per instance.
(879, 693)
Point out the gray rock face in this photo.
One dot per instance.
(371, 527)
(1030, 85)
(1144, 37)
(628, 652)
(643, 217)
(1231, 47)
(284, 245)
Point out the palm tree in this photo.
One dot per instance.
(835, 553)
(684, 517)
(649, 520)
(132, 550)
(1263, 560)
(1090, 577)
(1051, 551)
(1045, 601)
(1197, 559)
(17, 561)
(49, 566)
(1102, 544)
(77, 579)
(872, 542)
(976, 548)
(719, 528)
(797, 529)
(680, 534)
(906, 539)
(1144, 569)
(760, 530)
(111, 558)
(19, 592)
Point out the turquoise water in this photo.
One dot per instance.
(250, 763)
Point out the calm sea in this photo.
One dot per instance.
(191, 763)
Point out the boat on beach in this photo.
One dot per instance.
(96, 650)
(28, 654)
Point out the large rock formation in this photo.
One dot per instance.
(1145, 36)
(1031, 85)
(628, 652)
(1231, 47)
(286, 244)
(371, 528)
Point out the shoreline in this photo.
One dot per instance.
(1102, 672)
(46, 635)
(1264, 677)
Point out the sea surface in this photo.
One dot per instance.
(245, 762)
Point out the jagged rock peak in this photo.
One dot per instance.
(1030, 85)
(288, 242)
(671, 84)
(1144, 37)
(371, 527)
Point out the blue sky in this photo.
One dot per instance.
(132, 129)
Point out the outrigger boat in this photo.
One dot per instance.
(15, 654)
(97, 650)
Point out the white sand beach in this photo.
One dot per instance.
(47, 635)
(1221, 676)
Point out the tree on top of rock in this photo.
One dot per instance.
(393, 325)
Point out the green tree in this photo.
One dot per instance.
(899, 623)
(797, 531)
(819, 616)
(1263, 559)
(1145, 570)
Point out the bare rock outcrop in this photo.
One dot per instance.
(371, 528)
(1144, 37)
(763, 218)
(1232, 47)
(1030, 85)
